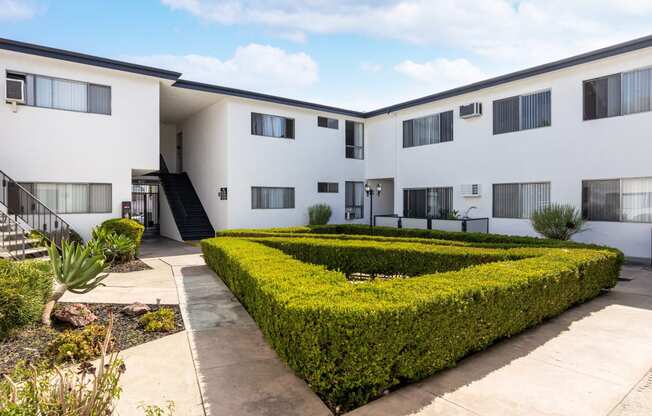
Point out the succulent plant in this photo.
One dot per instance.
(76, 269)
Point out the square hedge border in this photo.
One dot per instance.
(352, 342)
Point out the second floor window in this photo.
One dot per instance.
(618, 94)
(522, 112)
(272, 126)
(354, 140)
(432, 129)
(64, 94)
(329, 123)
(519, 200)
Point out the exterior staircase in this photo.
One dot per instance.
(20, 214)
(187, 209)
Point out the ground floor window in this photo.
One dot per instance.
(73, 198)
(354, 200)
(272, 197)
(428, 202)
(627, 200)
(519, 200)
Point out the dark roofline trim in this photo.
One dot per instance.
(198, 86)
(607, 52)
(81, 58)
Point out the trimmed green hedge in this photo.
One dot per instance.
(353, 341)
(128, 227)
(24, 289)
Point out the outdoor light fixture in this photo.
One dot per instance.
(370, 193)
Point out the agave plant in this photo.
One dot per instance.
(76, 269)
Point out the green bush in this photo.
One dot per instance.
(557, 221)
(319, 214)
(24, 289)
(161, 320)
(78, 344)
(353, 341)
(115, 248)
(124, 226)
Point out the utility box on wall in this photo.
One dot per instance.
(126, 209)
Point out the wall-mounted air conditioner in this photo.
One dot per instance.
(15, 91)
(471, 110)
(471, 190)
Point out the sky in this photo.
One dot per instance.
(355, 54)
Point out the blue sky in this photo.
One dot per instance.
(359, 54)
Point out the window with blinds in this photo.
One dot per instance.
(618, 94)
(428, 202)
(329, 123)
(522, 112)
(272, 126)
(519, 200)
(354, 140)
(272, 198)
(73, 198)
(354, 199)
(65, 94)
(626, 200)
(328, 187)
(436, 128)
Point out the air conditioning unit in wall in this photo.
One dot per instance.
(15, 91)
(471, 190)
(471, 110)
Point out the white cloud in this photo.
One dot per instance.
(17, 10)
(371, 67)
(296, 36)
(521, 32)
(442, 73)
(260, 67)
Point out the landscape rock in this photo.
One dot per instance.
(135, 309)
(76, 314)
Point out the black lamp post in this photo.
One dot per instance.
(370, 193)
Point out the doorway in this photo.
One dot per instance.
(145, 206)
(180, 152)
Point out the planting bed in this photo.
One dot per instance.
(457, 293)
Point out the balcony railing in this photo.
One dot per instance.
(470, 225)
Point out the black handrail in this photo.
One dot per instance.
(10, 228)
(23, 205)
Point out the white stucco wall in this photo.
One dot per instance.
(48, 145)
(169, 146)
(564, 154)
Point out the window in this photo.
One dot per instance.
(354, 140)
(63, 94)
(428, 202)
(602, 97)
(519, 200)
(522, 112)
(73, 198)
(328, 187)
(354, 199)
(432, 129)
(329, 123)
(271, 198)
(272, 126)
(626, 200)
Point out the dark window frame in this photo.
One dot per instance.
(327, 187)
(412, 196)
(353, 147)
(515, 123)
(442, 117)
(293, 198)
(289, 126)
(30, 186)
(519, 189)
(354, 207)
(328, 123)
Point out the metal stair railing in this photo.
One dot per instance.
(23, 205)
(10, 227)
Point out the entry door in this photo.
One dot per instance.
(180, 152)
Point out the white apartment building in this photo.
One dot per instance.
(90, 134)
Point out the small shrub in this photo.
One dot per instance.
(115, 248)
(24, 289)
(75, 345)
(153, 410)
(557, 221)
(124, 226)
(319, 214)
(161, 320)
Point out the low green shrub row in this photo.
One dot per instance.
(24, 289)
(127, 227)
(353, 341)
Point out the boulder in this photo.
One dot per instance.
(135, 309)
(76, 314)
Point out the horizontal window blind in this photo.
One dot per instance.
(272, 197)
(519, 200)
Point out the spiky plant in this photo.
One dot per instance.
(558, 221)
(76, 269)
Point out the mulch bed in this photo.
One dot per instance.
(131, 266)
(30, 343)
